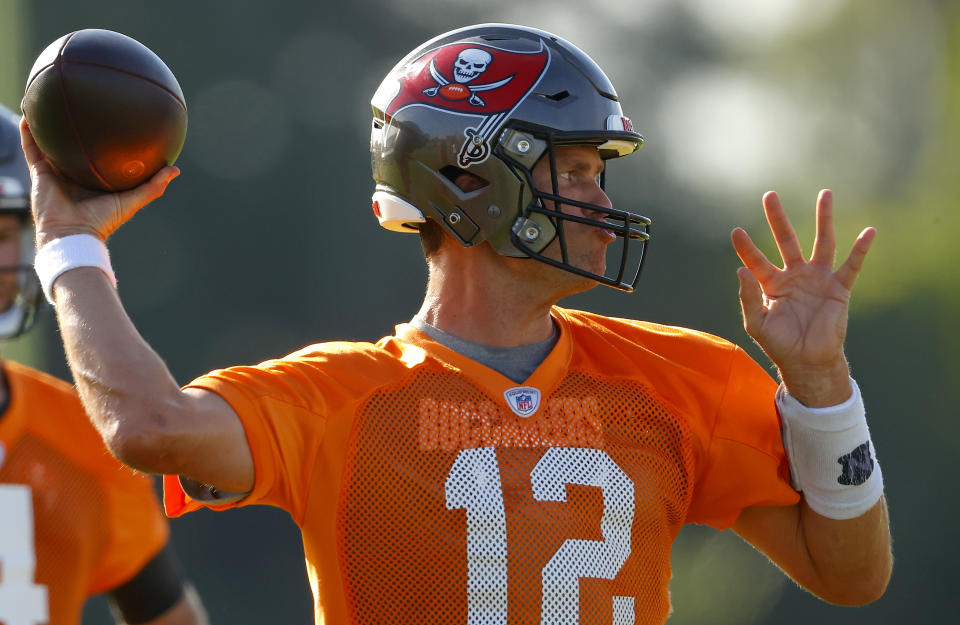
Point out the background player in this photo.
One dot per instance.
(73, 521)
(502, 459)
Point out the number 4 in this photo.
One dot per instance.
(474, 484)
(21, 601)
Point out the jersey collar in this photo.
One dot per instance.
(550, 372)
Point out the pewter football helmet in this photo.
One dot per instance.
(21, 312)
(492, 100)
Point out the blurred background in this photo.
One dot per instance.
(266, 242)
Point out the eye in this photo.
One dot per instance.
(567, 175)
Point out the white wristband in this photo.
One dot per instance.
(66, 253)
(832, 459)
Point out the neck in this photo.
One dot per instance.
(476, 294)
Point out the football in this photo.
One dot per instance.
(104, 109)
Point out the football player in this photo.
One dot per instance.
(501, 459)
(74, 522)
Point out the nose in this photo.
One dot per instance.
(600, 198)
(604, 199)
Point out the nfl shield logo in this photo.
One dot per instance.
(523, 400)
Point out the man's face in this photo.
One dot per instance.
(578, 171)
(10, 229)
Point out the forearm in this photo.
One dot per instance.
(847, 562)
(137, 406)
(850, 561)
(842, 552)
(125, 386)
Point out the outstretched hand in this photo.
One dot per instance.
(798, 314)
(61, 208)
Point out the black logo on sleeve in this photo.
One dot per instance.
(857, 466)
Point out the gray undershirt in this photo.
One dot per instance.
(516, 363)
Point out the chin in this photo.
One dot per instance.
(569, 283)
(597, 267)
(574, 284)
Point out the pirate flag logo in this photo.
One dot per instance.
(472, 79)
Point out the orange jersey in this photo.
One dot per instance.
(431, 489)
(74, 522)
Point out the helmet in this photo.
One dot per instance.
(492, 100)
(20, 315)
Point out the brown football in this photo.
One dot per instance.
(104, 109)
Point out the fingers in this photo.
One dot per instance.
(824, 245)
(751, 300)
(847, 273)
(31, 152)
(783, 232)
(751, 256)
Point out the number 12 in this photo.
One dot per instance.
(474, 484)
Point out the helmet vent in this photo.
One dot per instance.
(556, 97)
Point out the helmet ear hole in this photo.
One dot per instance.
(464, 180)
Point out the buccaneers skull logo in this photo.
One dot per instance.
(470, 64)
(482, 81)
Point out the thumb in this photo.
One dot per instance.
(136, 198)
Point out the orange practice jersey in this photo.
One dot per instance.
(431, 489)
(73, 521)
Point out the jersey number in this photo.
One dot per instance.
(474, 484)
(21, 601)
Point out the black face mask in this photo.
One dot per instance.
(631, 229)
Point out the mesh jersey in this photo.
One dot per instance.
(94, 522)
(424, 497)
